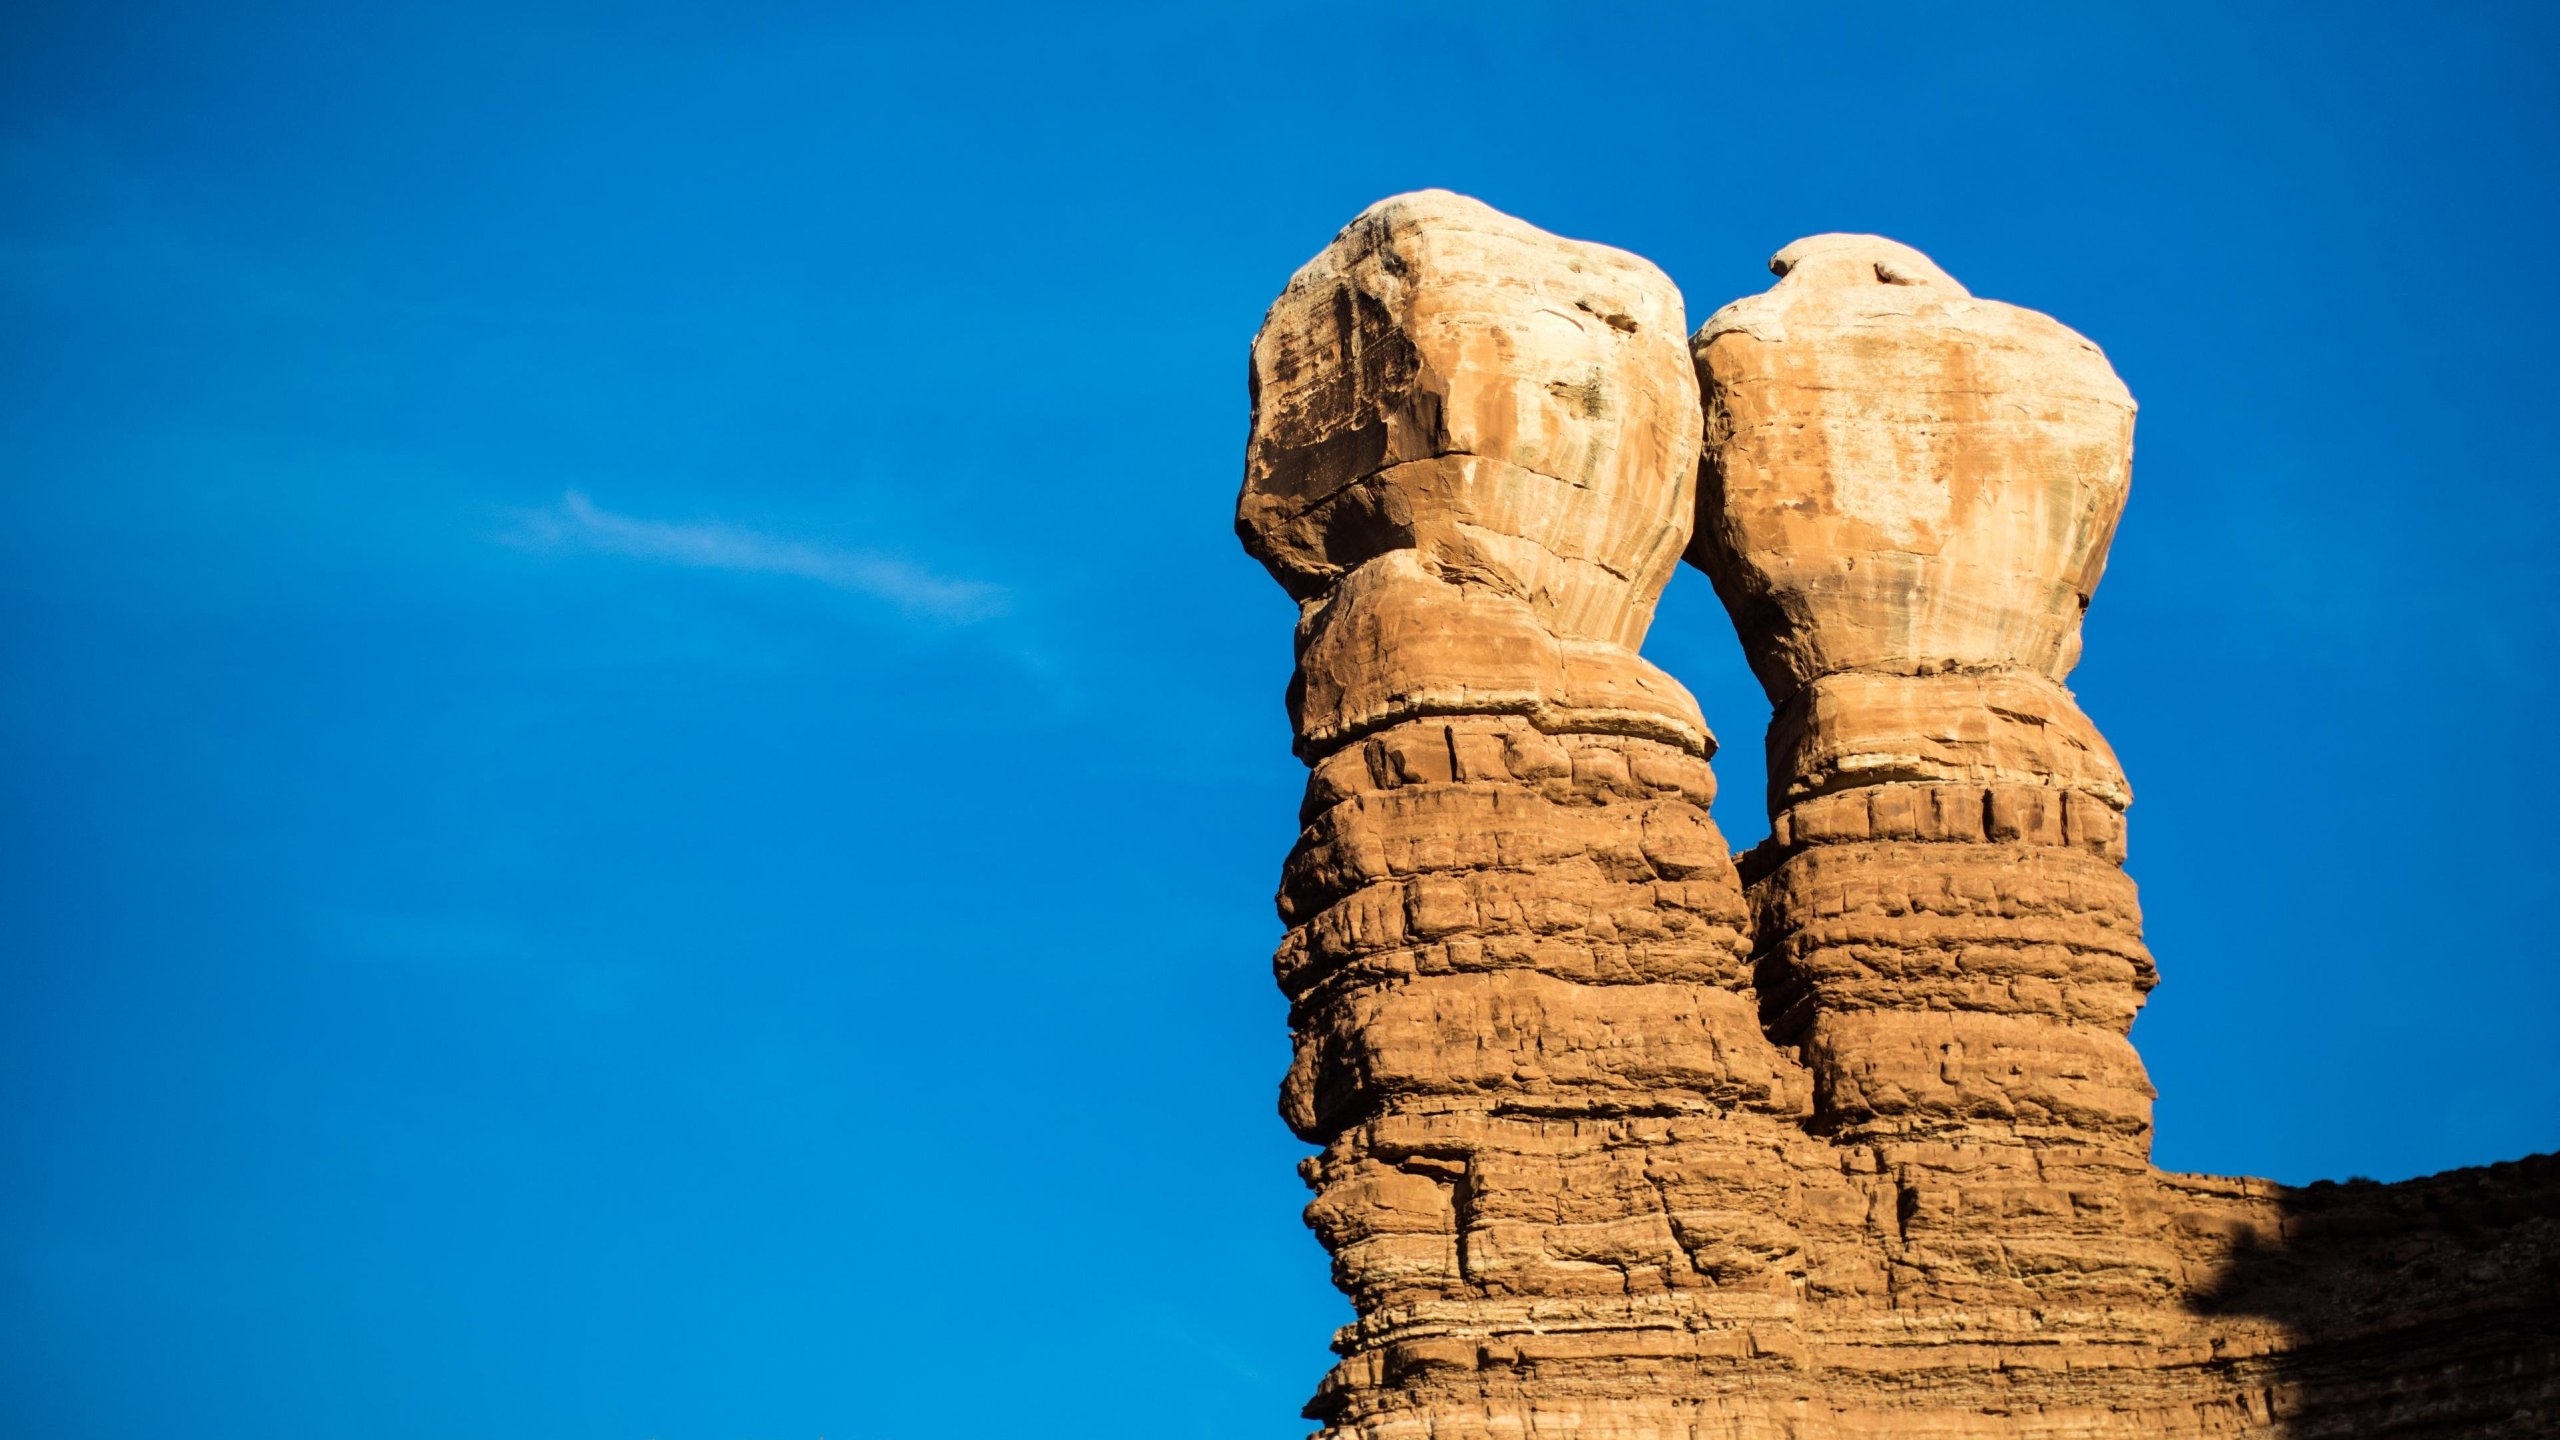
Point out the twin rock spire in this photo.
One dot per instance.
(1619, 1138)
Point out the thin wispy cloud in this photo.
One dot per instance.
(578, 523)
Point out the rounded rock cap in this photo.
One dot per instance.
(1858, 260)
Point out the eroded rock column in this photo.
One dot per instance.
(1608, 1150)
(1558, 1169)
(1906, 501)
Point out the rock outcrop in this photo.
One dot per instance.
(1517, 962)
(1609, 1146)
(1470, 465)
(1905, 503)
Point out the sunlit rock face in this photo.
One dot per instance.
(1904, 479)
(1612, 1147)
(1554, 1135)
(1905, 501)
(1471, 462)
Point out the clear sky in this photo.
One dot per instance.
(643, 781)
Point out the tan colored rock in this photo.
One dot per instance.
(2005, 726)
(1526, 1034)
(1615, 1150)
(1902, 479)
(1470, 463)
(1905, 500)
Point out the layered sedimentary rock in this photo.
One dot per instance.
(1525, 1035)
(1905, 503)
(1609, 1148)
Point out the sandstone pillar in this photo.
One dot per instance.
(1611, 1148)
(1555, 1177)
(1906, 501)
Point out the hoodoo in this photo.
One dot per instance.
(1905, 503)
(1615, 1146)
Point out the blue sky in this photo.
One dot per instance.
(644, 779)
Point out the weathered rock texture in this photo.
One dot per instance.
(1610, 1148)
(1470, 465)
(1905, 503)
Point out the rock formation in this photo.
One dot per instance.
(1610, 1149)
(1905, 503)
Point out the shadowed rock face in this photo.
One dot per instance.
(1611, 1147)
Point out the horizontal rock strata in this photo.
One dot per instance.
(1905, 501)
(1613, 1145)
